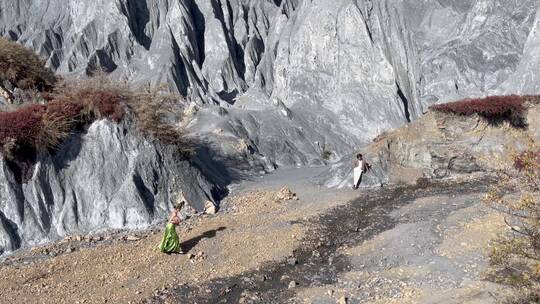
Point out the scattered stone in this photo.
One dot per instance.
(292, 284)
(285, 194)
(191, 110)
(79, 238)
(209, 208)
(244, 146)
(292, 261)
(132, 238)
(343, 300)
(330, 292)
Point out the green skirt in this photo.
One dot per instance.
(170, 242)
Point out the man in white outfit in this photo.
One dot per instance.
(360, 167)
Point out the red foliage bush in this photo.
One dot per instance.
(42, 127)
(23, 126)
(107, 104)
(95, 103)
(495, 108)
(38, 128)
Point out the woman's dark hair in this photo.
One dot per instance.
(359, 155)
(178, 206)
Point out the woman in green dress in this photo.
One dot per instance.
(170, 242)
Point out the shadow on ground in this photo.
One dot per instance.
(191, 243)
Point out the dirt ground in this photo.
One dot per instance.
(253, 228)
(400, 245)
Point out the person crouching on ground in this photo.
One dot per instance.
(171, 242)
(360, 168)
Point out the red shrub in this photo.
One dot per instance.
(43, 127)
(107, 104)
(39, 128)
(67, 110)
(22, 125)
(495, 108)
(95, 103)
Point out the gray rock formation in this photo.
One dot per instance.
(108, 177)
(297, 77)
(271, 84)
(437, 145)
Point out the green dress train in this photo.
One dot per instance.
(170, 242)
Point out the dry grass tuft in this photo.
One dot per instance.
(515, 257)
(152, 108)
(23, 68)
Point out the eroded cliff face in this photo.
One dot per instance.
(438, 145)
(270, 84)
(297, 77)
(106, 178)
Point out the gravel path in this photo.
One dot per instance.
(421, 244)
(402, 245)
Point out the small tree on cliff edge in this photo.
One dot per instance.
(515, 258)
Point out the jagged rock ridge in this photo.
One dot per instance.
(331, 74)
(272, 83)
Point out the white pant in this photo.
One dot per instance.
(357, 175)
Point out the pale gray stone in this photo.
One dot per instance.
(107, 178)
(298, 77)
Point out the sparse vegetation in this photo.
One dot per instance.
(39, 127)
(515, 257)
(64, 108)
(152, 108)
(494, 109)
(93, 99)
(325, 155)
(23, 68)
(33, 128)
(380, 137)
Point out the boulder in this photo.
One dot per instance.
(209, 208)
(285, 194)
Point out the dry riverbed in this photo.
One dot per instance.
(396, 245)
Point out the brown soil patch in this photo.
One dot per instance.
(256, 228)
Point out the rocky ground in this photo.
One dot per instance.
(413, 244)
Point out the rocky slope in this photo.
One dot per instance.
(108, 177)
(426, 244)
(297, 77)
(438, 145)
(268, 84)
